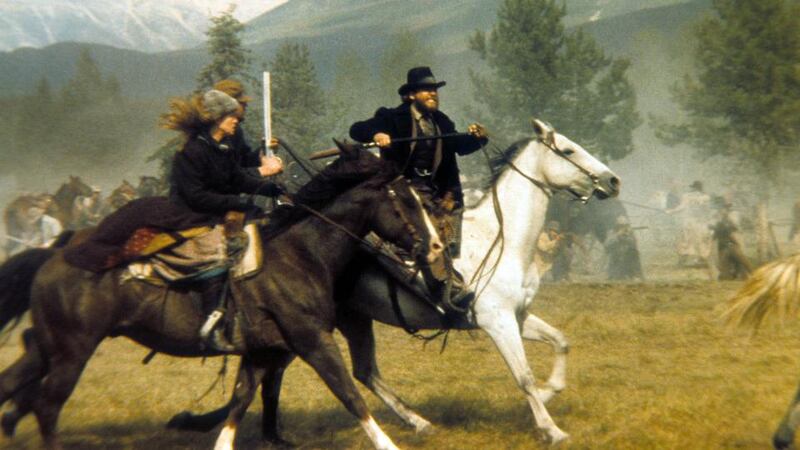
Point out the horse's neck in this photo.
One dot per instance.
(331, 247)
(523, 206)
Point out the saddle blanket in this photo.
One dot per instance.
(202, 256)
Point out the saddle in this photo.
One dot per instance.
(232, 248)
(441, 288)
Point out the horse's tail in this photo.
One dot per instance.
(16, 279)
(772, 290)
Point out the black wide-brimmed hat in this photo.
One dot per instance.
(697, 185)
(419, 77)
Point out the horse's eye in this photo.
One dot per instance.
(392, 193)
(568, 151)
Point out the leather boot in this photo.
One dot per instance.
(212, 335)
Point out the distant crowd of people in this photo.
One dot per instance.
(706, 231)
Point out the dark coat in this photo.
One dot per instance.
(397, 123)
(207, 178)
(242, 151)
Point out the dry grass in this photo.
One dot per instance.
(650, 368)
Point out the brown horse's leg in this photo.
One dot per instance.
(357, 329)
(270, 399)
(65, 367)
(243, 394)
(22, 382)
(25, 370)
(319, 350)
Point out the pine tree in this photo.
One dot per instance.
(537, 69)
(743, 102)
(229, 58)
(404, 51)
(352, 96)
(86, 87)
(298, 101)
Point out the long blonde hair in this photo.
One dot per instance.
(186, 115)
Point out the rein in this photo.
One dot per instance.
(482, 272)
(371, 247)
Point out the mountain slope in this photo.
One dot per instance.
(146, 25)
(331, 26)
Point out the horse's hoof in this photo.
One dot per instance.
(423, 427)
(178, 421)
(545, 394)
(277, 442)
(556, 386)
(9, 424)
(783, 439)
(558, 437)
(781, 444)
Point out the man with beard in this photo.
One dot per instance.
(429, 164)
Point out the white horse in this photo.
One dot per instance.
(537, 167)
(501, 309)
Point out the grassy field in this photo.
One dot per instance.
(650, 368)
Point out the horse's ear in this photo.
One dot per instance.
(544, 131)
(348, 150)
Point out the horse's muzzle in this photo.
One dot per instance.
(607, 186)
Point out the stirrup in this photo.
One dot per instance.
(213, 337)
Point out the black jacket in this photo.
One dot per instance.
(244, 154)
(397, 123)
(207, 177)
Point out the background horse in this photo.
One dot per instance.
(529, 172)
(120, 196)
(20, 223)
(150, 186)
(287, 308)
(65, 196)
(772, 290)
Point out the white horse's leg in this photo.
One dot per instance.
(536, 329)
(504, 330)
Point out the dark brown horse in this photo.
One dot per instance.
(65, 196)
(286, 310)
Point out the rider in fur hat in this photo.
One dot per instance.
(253, 160)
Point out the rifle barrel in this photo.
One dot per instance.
(335, 151)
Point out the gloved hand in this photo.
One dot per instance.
(270, 189)
(261, 201)
(478, 130)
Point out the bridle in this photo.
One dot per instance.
(549, 141)
(484, 272)
(417, 247)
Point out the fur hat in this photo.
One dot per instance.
(218, 104)
(233, 88)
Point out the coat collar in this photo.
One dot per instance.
(222, 145)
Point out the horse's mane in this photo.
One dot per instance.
(345, 173)
(499, 162)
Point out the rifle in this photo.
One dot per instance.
(335, 151)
